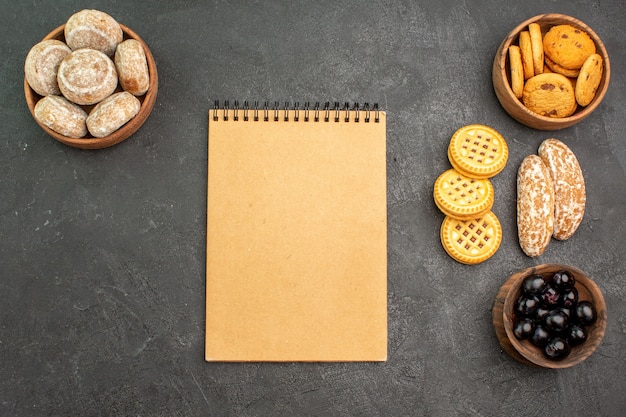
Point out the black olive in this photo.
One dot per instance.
(533, 284)
(557, 349)
(586, 313)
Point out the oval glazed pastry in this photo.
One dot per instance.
(42, 64)
(62, 116)
(93, 29)
(87, 76)
(535, 206)
(569, 187)
(132, 67)
(112, 113)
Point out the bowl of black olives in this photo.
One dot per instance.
(551, 316)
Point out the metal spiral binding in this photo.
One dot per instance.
(275, 109)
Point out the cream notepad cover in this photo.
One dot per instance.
(296, 235)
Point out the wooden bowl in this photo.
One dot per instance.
(523, 350)
(502, 84)
(89, 142)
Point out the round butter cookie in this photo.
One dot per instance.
(62, 116)
(588, 80)
(568, 46)
(132, 67)
(561, 70)
(87, 76)
(478, 151)
(536, 41)
(42, 64)
(526, 51)
(517, 70)
(93, 29)
(471, 241)
(550, 95)
(112, 113)
(462, 197)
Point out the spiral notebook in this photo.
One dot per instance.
(296, 233)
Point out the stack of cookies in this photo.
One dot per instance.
(471, 232)
(555, 73)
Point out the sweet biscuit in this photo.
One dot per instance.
(42, 64)
(589, 79)
(569, 187)
(517, 70)
(462, 197)
(87, 76)
(572, 73)
(93, 29)
(478, 151)
(550, 95)
(573, 82)
(471, 241)
(536, 41)
(112, 113)
(132, 67)
(526, 51)
(568, 46)
(535, 205)
(62, 116)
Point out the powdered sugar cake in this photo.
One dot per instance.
(569, 187)
(535, 206)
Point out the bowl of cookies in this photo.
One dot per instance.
(551, 72)
(90, 83)
(549, 316)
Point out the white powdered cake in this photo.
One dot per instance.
(62, 116)
(569, 187)
(87, 76)
(42, 64)
(93, 29)
(112, 113)
(535, 206)
(132, 67)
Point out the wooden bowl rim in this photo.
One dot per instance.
(524, 348)
(88, 142)
(501, 60)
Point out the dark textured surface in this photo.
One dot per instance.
(102, 252)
